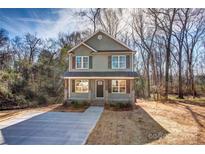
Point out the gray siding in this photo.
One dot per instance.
(79, 96)
(111, 96)
(100, 60)
(117, 97)
(106, 43)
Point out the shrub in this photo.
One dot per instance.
(29, 94)
(50, 90)
(21, 101)
(4, 76)
(3, 90)
(18, 86)
(79, 104)
(120, 105)
(42, 100)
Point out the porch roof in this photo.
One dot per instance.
(101, 74)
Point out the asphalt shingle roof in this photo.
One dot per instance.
(101, 74)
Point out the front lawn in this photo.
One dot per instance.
(152, 123)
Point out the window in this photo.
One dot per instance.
(118, 86)
(81, 86)
(119, 62)
(82, 62)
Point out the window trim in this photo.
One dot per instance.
(118, 87)
(77, 86)
(81, 58)
(118, 61)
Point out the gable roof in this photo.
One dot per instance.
(99, 31)
(82, 43)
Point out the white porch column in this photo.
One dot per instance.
(106, 91)
(65, 89)
(132, 92)
(90, 90)
(69, 88)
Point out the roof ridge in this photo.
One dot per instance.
(113, 38)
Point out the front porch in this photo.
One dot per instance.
(99, 90)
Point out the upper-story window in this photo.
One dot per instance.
(82, 62)
(118, 62)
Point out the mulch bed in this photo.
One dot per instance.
(111, 108)
(63, 108)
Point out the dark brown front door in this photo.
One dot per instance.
(100, 84)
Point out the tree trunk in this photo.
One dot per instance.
(191, 80)
(180, 89)
(148, 78)
(167, 73)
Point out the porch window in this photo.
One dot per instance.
(118, 62)
(81, 86)
(82, 62)
(118, 86)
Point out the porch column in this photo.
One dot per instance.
(132, 91)
(90, 90)
(106, 92)
(69, 88)
(65, 89)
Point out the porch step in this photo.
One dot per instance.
(97, 103)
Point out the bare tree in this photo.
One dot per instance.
(146, 32)
(165, 19)
(69, 40)
(5, 54)
(92, 14)
(32, 46)
(179, 34)
(110, 20)
(193, 36)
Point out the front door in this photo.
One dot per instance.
(99, 88)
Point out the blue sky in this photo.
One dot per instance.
(46, 23)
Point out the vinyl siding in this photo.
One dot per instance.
(112, 97)
(106, 43)
(99, 61)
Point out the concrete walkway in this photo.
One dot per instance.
(46, 128)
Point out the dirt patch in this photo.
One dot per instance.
(8, 114)
(151, 123)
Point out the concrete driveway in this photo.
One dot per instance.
(50, 128)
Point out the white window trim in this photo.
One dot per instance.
(118, 57)
(81, 91)
(81, 57)
(119, 89)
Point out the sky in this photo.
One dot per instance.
(45, 23)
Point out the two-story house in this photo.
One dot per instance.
(100, 70)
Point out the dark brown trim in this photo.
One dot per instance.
(128, 86)
(73, 85)
(128, 61)
(90, 62)
(109, 61)
(109, 86)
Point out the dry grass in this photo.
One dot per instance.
(152, 123)
(8, 114)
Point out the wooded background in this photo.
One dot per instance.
(169, 45)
